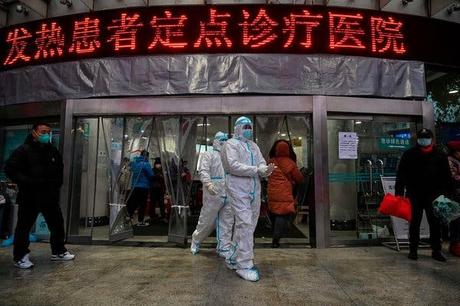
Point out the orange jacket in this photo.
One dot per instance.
(280, 198)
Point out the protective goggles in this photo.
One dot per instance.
(247, 127)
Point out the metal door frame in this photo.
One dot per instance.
(318, 106)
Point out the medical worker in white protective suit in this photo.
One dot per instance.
(216, 211)
(244, 164)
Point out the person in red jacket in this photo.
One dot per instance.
(281, 202)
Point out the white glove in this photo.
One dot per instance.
(212, 189)
(271, 167)
(265, 171)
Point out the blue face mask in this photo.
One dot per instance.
(247, 134)
(44, 138)
(424, 142)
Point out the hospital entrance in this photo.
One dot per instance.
(102, 182)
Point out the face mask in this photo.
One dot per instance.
(247, 134)
(424, 142)
(44, 138)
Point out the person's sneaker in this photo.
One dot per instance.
(195, 247)
(437, 255)
(412, 255)
(24, 263)
(63, 257)
(251, 274)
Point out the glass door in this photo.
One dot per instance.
(361, 150)
(297, 130)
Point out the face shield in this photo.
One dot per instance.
(243, 128)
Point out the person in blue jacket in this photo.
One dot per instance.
(142, 176)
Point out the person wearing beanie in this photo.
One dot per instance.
(423, 175)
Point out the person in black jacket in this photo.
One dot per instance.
(424, 173)
(157, 191)
(37, 168)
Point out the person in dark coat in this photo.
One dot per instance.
(454, 226)
(424, 173)
(157, 191)
(37, 168)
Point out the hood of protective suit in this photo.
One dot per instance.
(282, 149)
(219, 139)
(240, 124)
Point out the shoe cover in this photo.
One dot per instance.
(251, 274)
(195, 247)
(230, 264)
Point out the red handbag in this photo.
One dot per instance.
(396, 206)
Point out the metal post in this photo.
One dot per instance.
(321, 176)
(66, 141)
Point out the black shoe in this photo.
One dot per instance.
(412, 255)
(439, 256)
(275, 243)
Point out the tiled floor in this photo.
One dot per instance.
(119, 275)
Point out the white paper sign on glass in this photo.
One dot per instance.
(348, 145)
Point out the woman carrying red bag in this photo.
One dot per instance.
(424, 173)
(281, 202)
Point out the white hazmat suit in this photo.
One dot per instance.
(216, 212)
(243, 164)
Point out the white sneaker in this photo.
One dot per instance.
(195, 247)
(143, 223)
(63, 257)
(24, 263)
(251, 274)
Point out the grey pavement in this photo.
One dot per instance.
(120, 275)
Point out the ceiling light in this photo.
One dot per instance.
(66, 2)
(453, 91)
(453, 8)
(358, 122)
(283, 135)
(22, 9)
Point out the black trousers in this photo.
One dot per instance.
(157, 199)
(281, 225)
(138, 199)
(27, 214)
(418, 206)
(454, 228)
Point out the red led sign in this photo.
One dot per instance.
(218, 29)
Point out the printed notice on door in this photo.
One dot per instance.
(348, 145)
